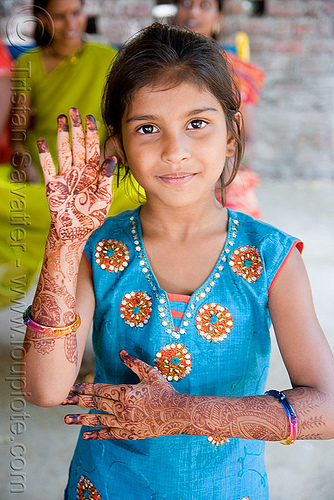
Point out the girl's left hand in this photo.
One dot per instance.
(149, 409)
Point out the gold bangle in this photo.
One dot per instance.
(51, 331)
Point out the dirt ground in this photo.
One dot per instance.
(36, 446)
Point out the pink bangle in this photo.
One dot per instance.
(50, 331)
(293, 419)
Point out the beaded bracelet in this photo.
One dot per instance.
(50, 331)
(293, 419)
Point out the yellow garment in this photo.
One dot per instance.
(24, 226)
(77, 81)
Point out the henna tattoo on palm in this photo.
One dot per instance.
(79, 196)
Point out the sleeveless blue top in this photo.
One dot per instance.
(221, 348)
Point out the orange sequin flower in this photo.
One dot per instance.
(246, 262)
(86, 490)
(112, 255)
(217, 441)
(173, 361)
(136, 309)
(214, 322)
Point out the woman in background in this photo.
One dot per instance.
(65, 72)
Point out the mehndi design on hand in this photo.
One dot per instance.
(80, 195)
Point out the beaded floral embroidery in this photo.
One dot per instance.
(246, 262)
(199, 296)
(86, 490)
(112, 255)
(173, 361)
(217, 441)
(136, 309)
(214, 322)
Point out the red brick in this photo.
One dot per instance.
(288, 47)
(279, 8)
(138, 10)
(303, 28)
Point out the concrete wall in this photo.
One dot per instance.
(293, 42)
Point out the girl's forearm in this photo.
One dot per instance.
(260, 417)
(50, 365)
(54, 301)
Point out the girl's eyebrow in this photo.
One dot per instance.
(193, 112)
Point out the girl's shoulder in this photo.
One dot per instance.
(270, 245)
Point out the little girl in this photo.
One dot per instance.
(181, 292)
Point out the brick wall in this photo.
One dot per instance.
(294, 124)
(293, 42)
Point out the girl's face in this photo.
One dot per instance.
(200, 16)
(175, 142)
(69, 21)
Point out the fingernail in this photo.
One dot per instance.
(76, 388)
(70, 400)
(42, 146)
(87, 436)
(75, 116)
(91, 123)
(71, 419)
(62, 123)
(110, 170)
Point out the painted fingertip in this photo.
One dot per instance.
(71, 419)
(109, 165)
(125, 356)
(62, 123)
(70, 400)
(91, 123)
(75, 117)
(87, 436)
(76, 388)
(42, 146)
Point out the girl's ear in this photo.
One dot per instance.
(119, 149)
(230, 147)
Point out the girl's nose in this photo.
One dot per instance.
(175, 149)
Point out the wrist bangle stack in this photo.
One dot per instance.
(293, 419)
(50, 331)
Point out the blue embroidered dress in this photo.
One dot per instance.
(221, 348)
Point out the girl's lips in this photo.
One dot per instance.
(176, 179)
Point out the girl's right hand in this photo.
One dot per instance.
(80, 195)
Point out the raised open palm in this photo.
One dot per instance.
(80, 194)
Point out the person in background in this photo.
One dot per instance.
(205, 16)
(65, 72)
(5, 94)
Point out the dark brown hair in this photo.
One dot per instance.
(172, 55)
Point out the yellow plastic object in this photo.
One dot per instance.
(241, 41)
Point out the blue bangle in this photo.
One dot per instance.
(293, 419)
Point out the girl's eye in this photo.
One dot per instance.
(196, 124)
(147, 129)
